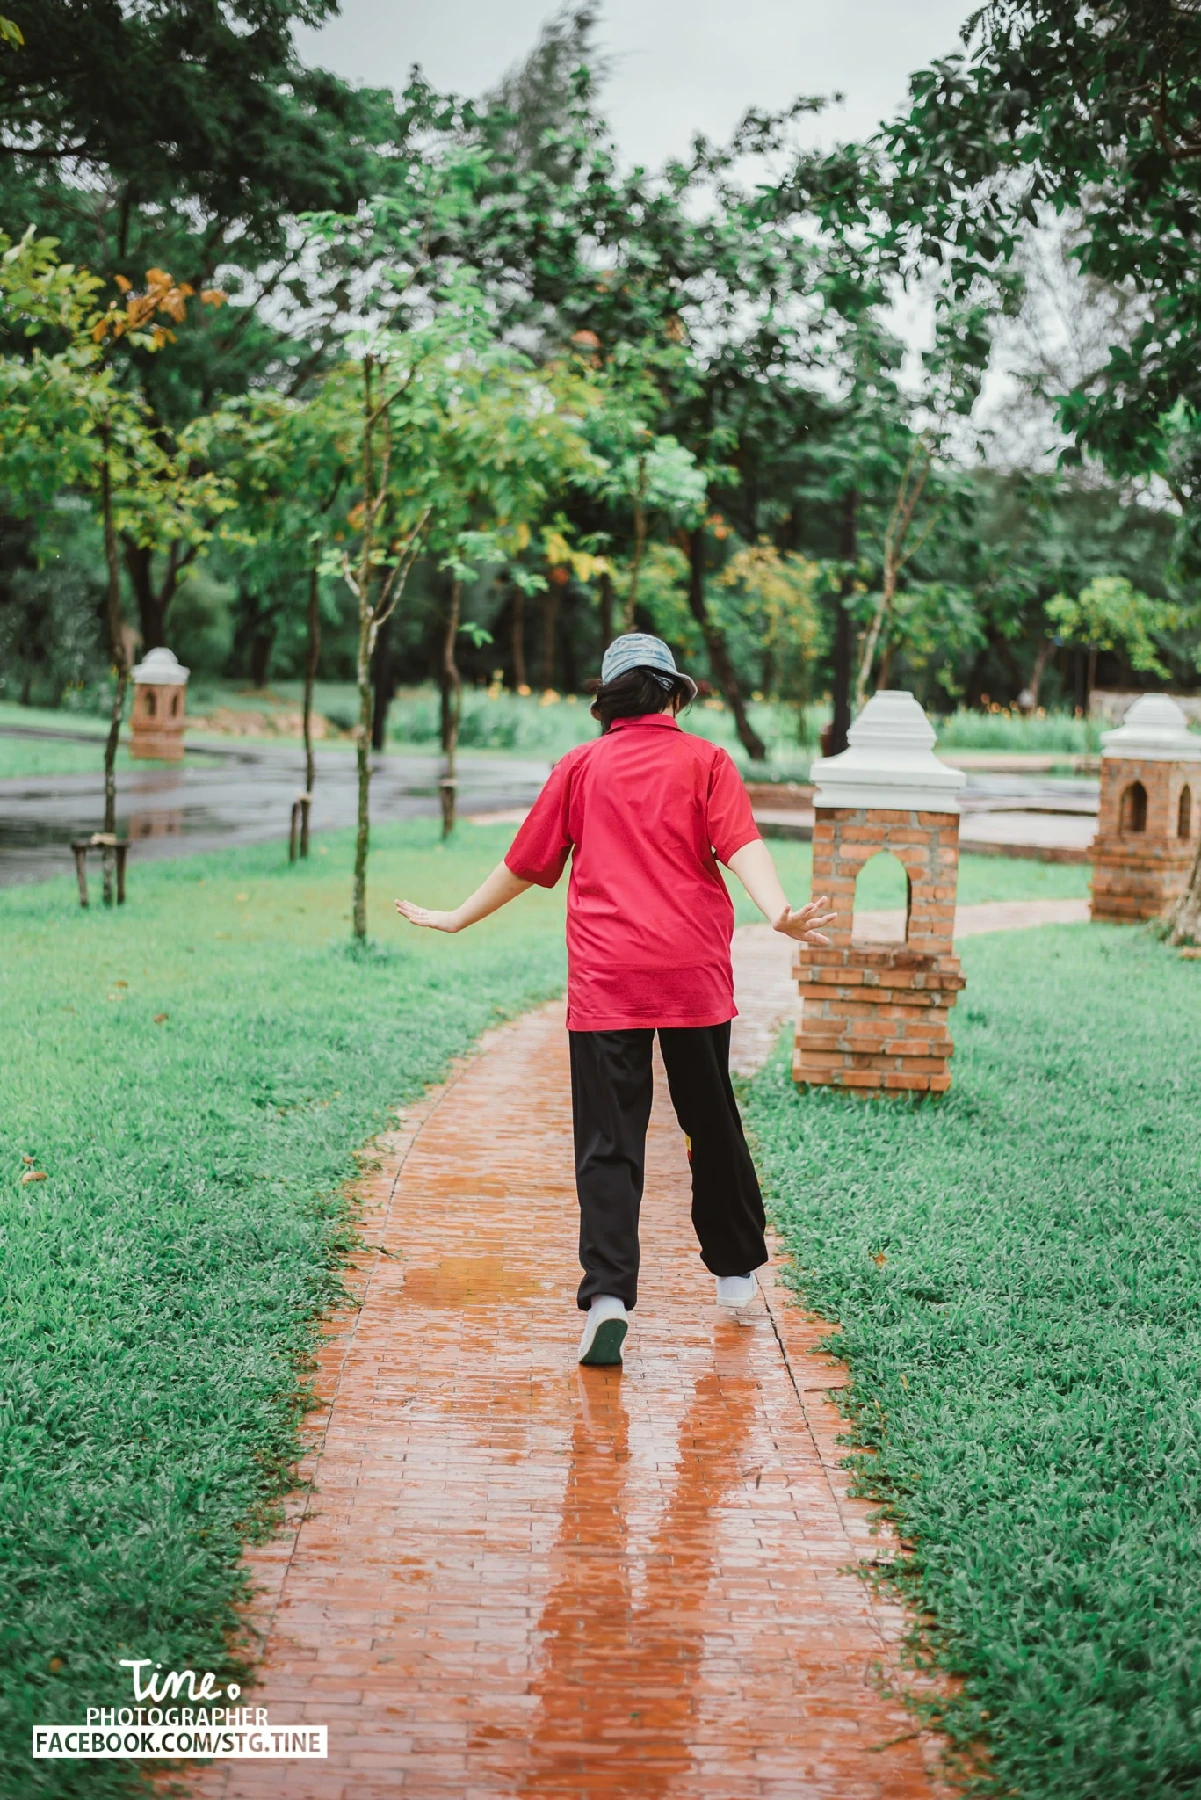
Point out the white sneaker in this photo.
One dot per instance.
(736, 1290)
(604, 1330)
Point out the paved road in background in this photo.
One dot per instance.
(234, 796)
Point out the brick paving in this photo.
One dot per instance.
(516, 1577)
(509, 1576)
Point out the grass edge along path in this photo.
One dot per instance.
(194, 1076)
(1015, 1278)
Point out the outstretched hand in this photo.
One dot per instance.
(435, 921)
(802, 923)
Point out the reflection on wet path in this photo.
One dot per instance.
(241, 796)
(625, 1625)
(519, 1578)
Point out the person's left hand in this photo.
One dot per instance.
(802, 923)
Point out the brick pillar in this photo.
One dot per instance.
(159, 700)
(1148, 822)
(875, 1016)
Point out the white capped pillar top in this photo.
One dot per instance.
(160, 669)
(890, 762)
(1154, 730)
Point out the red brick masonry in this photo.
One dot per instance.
(875, 1015)
(1139, 873)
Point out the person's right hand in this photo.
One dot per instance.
(801, 924)
(421, 915)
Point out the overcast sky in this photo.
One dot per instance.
(681, 65)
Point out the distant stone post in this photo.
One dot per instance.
(875, 1014)
(1149, 815)
(159, 689)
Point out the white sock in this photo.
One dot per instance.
(607, 1305)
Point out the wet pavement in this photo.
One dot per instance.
(516, 1577)
(234, 796)
(223, 795)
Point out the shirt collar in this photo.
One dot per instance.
(663, 719)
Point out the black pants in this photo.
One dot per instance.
(611, 1088)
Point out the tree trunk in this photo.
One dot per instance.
(1186, 914)
(363, 758)
(606, 609)
(639, 543)
(139, 565)
(310, 677)
(550, 621)
(519, 676)
(260, 656)
(381, 667)
(452, 691)
(871, 641)
(848, 549)
(154, 600)
(120, 659)
(366, 645)
(715, 643)
(1045, 652)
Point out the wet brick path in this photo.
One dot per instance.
(516, 1577)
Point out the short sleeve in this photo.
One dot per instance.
(540, 850)
(730, 821)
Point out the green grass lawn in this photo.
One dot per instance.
(1016, 1274)
(193, 1073)
(24, 758)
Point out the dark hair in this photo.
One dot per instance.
(637, 692)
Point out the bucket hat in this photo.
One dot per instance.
(638, 650)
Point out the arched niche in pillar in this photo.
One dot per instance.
(1132, 813)
(1184, 813)
(882, 886)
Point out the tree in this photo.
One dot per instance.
(1111, 614)
(783, 589)
(66, 420)
(1095, 110)
(286, 461)
(510, 438)
(952, 373)
(190, 136)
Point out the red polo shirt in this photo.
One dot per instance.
(645, 812)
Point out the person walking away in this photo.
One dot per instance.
(645, 813)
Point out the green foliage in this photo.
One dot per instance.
(1033, 734)
(162, 1287)
(1015, 1276)
(1093, 108)
(1111, 614)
